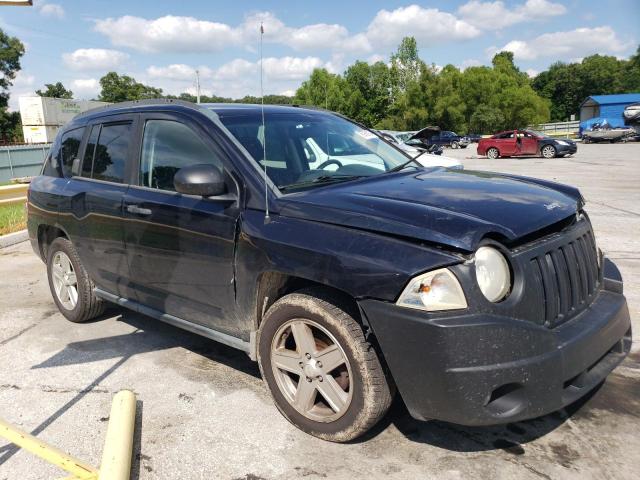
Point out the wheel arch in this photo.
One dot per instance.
(46, 235)
(273, 285)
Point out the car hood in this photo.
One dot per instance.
(454, 208)
(429, 160)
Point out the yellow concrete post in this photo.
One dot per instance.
(45, 451)
(118, 445)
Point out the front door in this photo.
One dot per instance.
(529, 143)
(181, 247)
(506, 143)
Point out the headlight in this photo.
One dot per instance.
(561, 142)
(492, 273)
(437, 290)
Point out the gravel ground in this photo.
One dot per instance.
(204, 413)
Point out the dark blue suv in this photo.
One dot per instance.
(482, 297)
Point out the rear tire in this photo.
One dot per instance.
(493, 153)
(70, 285)
(338, 400)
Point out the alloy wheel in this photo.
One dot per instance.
(65, 282)
(311, 370)
(548, 151)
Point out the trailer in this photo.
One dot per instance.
(42, 116)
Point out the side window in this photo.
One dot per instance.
(167, 146)
(50, 167)
(87, 162)
(111, 151)
(69, 148)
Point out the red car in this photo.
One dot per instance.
(514, 143)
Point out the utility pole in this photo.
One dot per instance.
(198, 86)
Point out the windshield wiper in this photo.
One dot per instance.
(397, 168)
(324, 179)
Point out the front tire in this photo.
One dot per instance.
(548, 151)
(70, 285)
(325, 378)
(455, 145)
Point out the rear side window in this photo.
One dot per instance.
(167, 146)
(112, 148)
(69, 148)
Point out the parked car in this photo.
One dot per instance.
(434, 136)
(481, 296)
(421, 155)
(473, 137)
(515, 143)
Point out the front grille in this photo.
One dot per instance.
(567, 277)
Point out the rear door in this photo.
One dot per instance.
(181, 247)
(94, 215)
(506, 143)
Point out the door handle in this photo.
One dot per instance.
(138, 211)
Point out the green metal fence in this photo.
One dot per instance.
(21, 160)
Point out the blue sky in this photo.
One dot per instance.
(162, 42)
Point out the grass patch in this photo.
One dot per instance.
(12, 218)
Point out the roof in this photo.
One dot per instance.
(239, 108)
(181, 105)
(613, 99)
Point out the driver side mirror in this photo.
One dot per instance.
(203, 179)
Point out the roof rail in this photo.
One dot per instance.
(134, 103)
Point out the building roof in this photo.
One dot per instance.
(613, 99)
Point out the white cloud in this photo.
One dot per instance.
(94, 59)
(167, 34)
(178, 34)
(237, 77)
(429, 26)
(50, 9)
(496, 15)
(85, 88)
(178, 72)
(23, 85)
(532, 72)
(568, 45)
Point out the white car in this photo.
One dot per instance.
(425, 159)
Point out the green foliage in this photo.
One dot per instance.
(409, 95)
(121, 88)
(566, 85)
(11, 50)
(12, 218)
(55, 90)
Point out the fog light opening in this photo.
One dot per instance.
(506, 400)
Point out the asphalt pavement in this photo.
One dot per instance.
(203, 412)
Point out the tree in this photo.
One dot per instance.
(567, 85)
(55, 90)
(121, 88)
(405, 65)
(323, 89)
(11, 50)
(631, 73)
(486, 119)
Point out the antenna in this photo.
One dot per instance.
(198, 86)
(264, 135)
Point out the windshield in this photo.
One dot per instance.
(309, 149)
(537, 134)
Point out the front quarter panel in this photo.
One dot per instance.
(359, 263)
